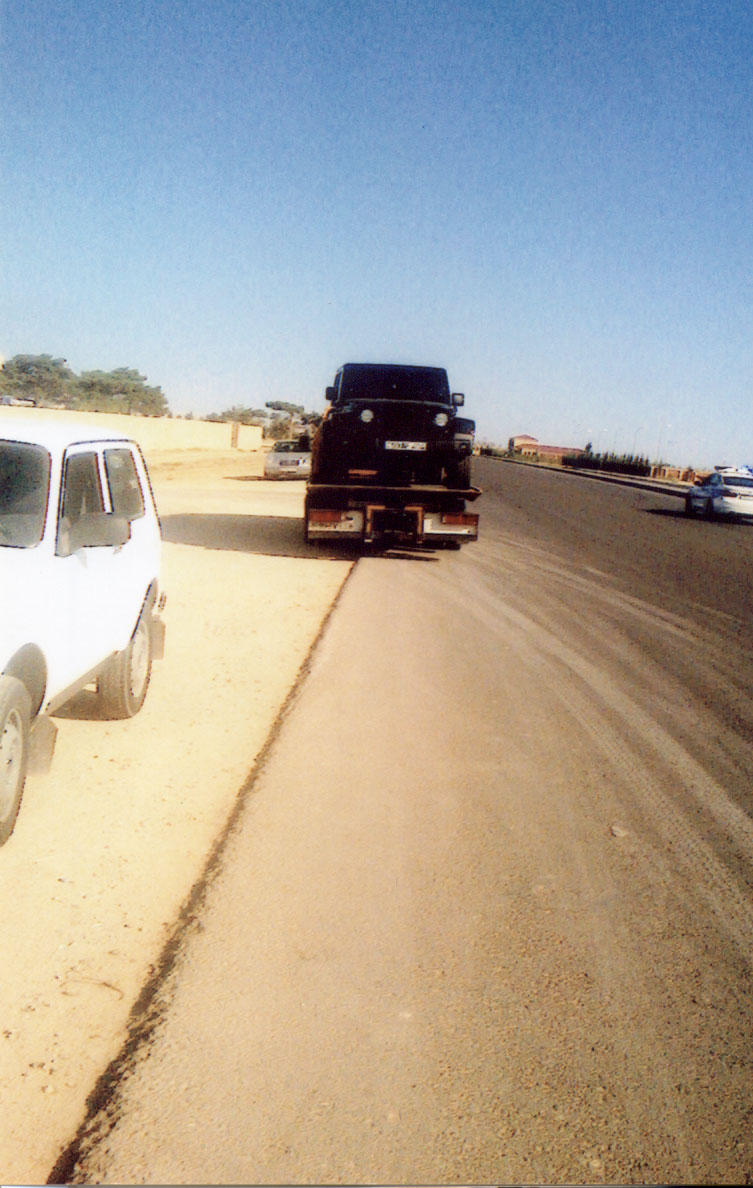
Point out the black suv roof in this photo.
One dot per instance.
(393, 381)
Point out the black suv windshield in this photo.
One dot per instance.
(24, 482)
(375, 381)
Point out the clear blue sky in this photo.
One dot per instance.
(551, 198)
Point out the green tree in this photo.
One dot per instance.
(281, 427)
(38, 377)
(123, 390)
(282, 406)
(244, 416)
(50, 381)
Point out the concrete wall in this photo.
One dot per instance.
(155, 433)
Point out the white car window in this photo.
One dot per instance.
(125, 489)
(24, 485)
(81, 495)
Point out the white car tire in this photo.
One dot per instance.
(15, 713)
(123, 683)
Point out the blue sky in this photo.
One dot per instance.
(551, 199)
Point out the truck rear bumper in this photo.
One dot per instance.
(403, 515)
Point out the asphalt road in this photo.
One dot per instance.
(488, 913)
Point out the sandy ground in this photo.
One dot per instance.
(109, 844)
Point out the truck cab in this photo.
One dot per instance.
(391, 460)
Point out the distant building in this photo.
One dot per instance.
(531, 447)
(517, 443)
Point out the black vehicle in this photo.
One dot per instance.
(396, 424)
(393, 454)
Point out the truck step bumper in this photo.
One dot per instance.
(376, 522)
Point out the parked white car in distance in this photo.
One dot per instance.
(79, 585)
(289, 459)
(728, 491)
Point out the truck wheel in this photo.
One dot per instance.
(15, 711)
(123, 683)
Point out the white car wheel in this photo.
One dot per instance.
(123, 684)
(14, 751)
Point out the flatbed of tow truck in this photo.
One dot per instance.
(373, 513)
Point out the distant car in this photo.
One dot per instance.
(728, 491)
(289, 459)
(79, 573)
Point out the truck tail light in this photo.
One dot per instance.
(324, 515)
(460, 519)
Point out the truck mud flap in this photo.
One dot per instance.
(42, 741)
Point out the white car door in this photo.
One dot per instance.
(85, 573)
(136, 563)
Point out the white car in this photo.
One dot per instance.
(289, 459)
(728, 491)
(80, 548)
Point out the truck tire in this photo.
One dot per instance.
(123, 683)
(15, 711)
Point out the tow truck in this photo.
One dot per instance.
(391, 460)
